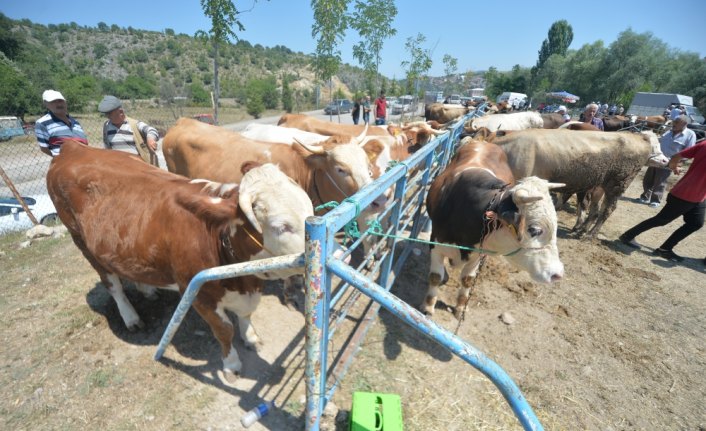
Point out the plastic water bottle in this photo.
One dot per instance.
(255, 414)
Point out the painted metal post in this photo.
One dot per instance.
(316, 319)
(455, 345)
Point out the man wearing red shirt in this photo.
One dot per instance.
(380, 109)
(687, 198)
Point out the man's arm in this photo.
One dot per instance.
(674, 163)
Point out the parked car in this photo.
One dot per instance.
(205, 118)
(453, 99)
(10, 127)
(401, 105)
(339, 106)
(14, 218)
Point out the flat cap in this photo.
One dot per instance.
(109, 103)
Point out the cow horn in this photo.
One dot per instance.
(555, 185)
(522, 196)
(245, 203)
(311, 148)
(437, 132)
(360, 139)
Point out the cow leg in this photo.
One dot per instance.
(127, 311)
(290, 286)
(609, 204)
(148, 291)
(243, 305)
(222, 329)
(436, 277)
(468, 274)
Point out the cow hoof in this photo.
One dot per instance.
(458, 312)
(254, 346)
(132, 327)
(228, 377)
(426, 310)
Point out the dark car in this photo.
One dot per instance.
(339, 106)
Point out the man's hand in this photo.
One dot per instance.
(674, 163)
(152, 144)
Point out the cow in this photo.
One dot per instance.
(330, 172)
(583, 161)
(579, 125)
(651, 122)
(614, 123)
(445, 113)
(475, 203)
(134, 221)
(516, 121)
(552, 120)
(404, 136)
(376, 147)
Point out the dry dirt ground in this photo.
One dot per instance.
(617, 345)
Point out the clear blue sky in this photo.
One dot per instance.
(479, 34)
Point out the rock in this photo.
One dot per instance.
(331, 410)
(507, 318)
(39, 231)
(59, 231)
(24, 244)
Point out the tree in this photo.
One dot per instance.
(330, 24)
(287, 96)
(16, 93)
(557, 42)
(450, 67)
(224, 15)
(419, 63)
(373, 22)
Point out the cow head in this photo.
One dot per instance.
(277, 208)
(657, 158)
(527, 237)
(338, 171)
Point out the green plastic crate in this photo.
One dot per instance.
(376, 412)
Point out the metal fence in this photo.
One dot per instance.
(333, 287)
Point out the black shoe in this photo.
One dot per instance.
(628, 241)
(668, 254)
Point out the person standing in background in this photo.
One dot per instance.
(355, 113)
(366, 109)
(380, 109)
(57, 125)
(126, 134)
(589, 116)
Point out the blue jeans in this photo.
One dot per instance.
(380, 121)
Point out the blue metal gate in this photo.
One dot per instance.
(403, 219)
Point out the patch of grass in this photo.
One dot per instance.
(100, 379)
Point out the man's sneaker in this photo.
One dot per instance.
(654, 204)
(630, 242)
(643, 200)
(668, 254)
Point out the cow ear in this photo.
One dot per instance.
(510, 217)
(373, 148)
(248, 166)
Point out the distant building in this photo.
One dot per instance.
(477, 92)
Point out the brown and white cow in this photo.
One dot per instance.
(135, 221)
(475, 203)
(583, 161)
(328, 172)
(445, 113)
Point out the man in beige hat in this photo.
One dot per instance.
(57, 125)
(123, 133)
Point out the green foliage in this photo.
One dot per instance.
(329, 27)
(287, 96)
(373, 22)
(100, 50)
(16, 94)
(169, 32)
(199, 95)
(557, 42)
(418, 64)
(78, 90)
(254, 103)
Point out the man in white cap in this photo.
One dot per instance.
(123, 133)
(57, 125)
(564, 114)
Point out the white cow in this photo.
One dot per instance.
(516, 121)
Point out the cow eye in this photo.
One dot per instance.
(341, 171)
(535, 231)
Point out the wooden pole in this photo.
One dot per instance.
(17, 196)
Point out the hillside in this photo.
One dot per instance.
(131, 63)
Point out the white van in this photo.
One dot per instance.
(513, 99)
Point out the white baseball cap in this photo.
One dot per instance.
(562, 108)
(52, 95)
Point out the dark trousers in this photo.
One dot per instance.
(693, 214)
(654, 183)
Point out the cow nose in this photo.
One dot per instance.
(556, 277)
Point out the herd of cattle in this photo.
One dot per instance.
(233, 197)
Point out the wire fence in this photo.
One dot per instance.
(23, 167)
